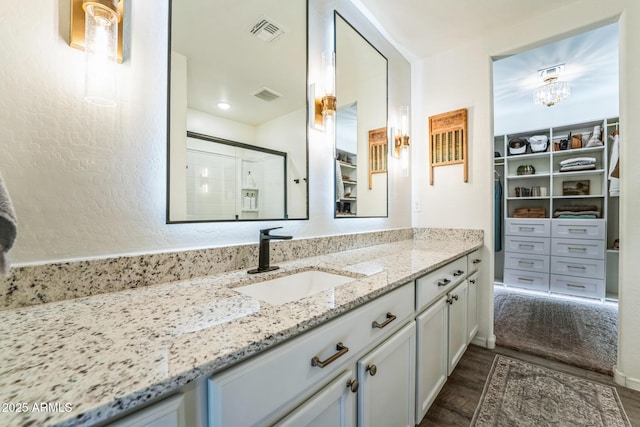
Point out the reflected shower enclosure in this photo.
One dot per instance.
(227, 180)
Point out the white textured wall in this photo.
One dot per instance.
(462, 78)
(91, 182)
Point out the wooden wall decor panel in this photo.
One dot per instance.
(448, 141)
(377, 153)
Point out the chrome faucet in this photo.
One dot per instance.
(263, 256)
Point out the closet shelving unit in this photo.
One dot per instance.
(512, 261)
(349, 172)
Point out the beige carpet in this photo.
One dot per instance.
(522, 394)
(578, 333)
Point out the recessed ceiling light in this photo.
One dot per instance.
(224, 105)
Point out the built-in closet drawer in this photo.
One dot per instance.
(527, 227)
(473, 261)
(579, 286)
(255, 392)
(527, 245)
(579, 228)
(429, 287)
(581, 248)
(583, 267)
(528, 262)
(526, 279)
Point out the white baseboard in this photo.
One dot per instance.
(620, 378)
(489, 343)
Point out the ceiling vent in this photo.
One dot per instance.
(266, 94)
(266, 29)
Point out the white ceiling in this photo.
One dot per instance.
(421, 28)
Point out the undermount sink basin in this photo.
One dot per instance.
(293, 286)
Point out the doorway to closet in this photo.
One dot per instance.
(556, 148)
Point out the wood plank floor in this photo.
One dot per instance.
(458, 399)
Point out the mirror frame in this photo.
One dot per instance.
(168, 130)
(337, 14)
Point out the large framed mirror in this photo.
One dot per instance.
(361, 177)
(237, 105)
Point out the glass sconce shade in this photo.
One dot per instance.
(101, 47)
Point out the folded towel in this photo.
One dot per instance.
(578, 159)
(8, 227)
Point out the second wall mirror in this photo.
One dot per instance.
(361, 178)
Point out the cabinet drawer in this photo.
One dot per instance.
(473, 261)
(581, 248)
(528, 227)
(535, 263)
(429, 287)
(583, 267)
(579, 286)
(527, 245)
(279, 379)
(527, 279)
(579, 228)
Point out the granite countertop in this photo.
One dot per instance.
(95, 357)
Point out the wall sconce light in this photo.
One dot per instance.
(95, 29)
(325, 104)
(401, 141)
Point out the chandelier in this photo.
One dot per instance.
(552, 90)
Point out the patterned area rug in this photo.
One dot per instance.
(578, 333)
(522, 394)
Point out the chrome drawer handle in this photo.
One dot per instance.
(390, 318)
(458, 273)
(444, 282)
(526, 228)
(525, 262)
(573, 248)
(522, 245)
(477, 261)
(577, 267)
(577, 230)
(342, 350)
(525, 279)
(571, 285)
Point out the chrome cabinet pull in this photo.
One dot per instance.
(577, 267)
(390, 318)
(525, 262)
(353, 385)
(571, 285)
(522, 245)
(444, 282)
(477, 261)
(526, 228)
(342, 349)
(574, 248)
(458, 273)
(372, 369)
(525, 279)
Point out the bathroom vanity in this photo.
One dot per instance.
(198, 352)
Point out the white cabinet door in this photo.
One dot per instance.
(387, 382)
(431, 360)
(457, 300)
(472, 306)
(167, 413)
(334, 405)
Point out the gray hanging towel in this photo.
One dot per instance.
(8, 227)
